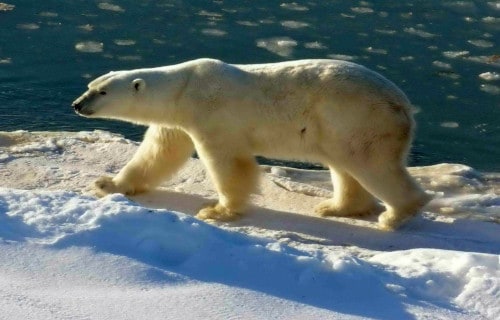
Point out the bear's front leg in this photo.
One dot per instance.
(235, 177)
(162, 152)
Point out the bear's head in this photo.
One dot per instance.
(114, 95)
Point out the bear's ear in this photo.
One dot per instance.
(138, 84)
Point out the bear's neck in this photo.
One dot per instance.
(165, 107)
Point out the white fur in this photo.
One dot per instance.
(341, 114)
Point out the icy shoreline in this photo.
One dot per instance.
(64, 254)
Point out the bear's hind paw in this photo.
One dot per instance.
(217, 212)
(327, 208)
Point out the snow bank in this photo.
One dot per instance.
(64, 254)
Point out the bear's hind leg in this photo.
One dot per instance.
(392, 184)
(235, 178)
(349, 197)
(162, 152)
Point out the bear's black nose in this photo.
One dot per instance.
(77, 106)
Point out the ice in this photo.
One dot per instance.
(124, 42)
(490, 76)
(48, 14)
(441, 64)
(342, 57)
(481, 43)
(455, 54)
(213, 32)
(6, 7)
(494, 5)
(315, 45)
(420, 33)
(89, 46)
(248, 23)
(294, 6)
(462, 7)
(376, 50)
(449, 124)
(282, 46)
(292, 24)
(490, 88)
(65, 254)
(362, 10)
(28, 26)
(110, 7)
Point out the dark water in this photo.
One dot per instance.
(434, 50)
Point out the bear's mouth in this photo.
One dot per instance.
(81, 110)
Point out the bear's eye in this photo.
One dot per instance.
(102, 93)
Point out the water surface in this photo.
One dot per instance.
(443, 54)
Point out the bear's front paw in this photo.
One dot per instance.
(105, 185)
(217, 212)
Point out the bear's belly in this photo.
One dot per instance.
(286, 143)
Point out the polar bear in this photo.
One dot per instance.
(338, 113)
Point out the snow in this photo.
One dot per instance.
(67, 255)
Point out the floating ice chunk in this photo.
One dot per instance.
(481, 43)
(130, 58)
(124, 42)
(491, 20)
(489, 60)
(214, 32)
(419, 33)
(294, 24)
(490, 76)
(455, 54)
(494, 5)
(213, 16)
(442, 65)
(110, 7)
(461, 6)
(448, 74)
(490, 88)
(450, 124)
(28, 26)
(341, 57)
(48, 14)
(294, 6)
(6, 6)
(407, 58)
(5, 60)
(86, 27)
(386, 31)
(362, 10)
(248, 23)
(89, 46)
(314, 45)
(376, 50)
(282, 46)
